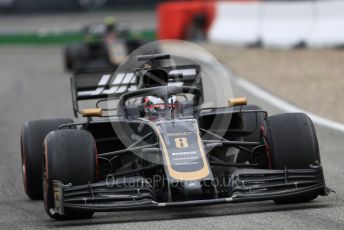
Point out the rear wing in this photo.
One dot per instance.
(101, 85)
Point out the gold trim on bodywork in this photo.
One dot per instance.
(237, 101)
(96, 112)
(195, 175)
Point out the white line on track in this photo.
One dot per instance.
(283, 105)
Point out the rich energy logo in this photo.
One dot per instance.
(185, 153)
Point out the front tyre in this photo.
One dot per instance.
(69, 157)
(32, 137)
(291, 142)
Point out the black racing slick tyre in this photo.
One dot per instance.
(70, 156)
(291, 142)
(73, 54)
(32, 137)
(69, 55)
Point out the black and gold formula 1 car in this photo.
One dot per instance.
(161, 148)
(103, 47)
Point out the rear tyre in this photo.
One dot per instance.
(69, 157)
(32, 137)
(69, 55)
(292, 143)
(73, 54)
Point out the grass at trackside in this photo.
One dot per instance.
(58, 38)
(36, 38)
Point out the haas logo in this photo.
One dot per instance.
(118, 84)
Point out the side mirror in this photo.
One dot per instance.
(237, 101)
(96, 112)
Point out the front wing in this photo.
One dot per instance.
(245, 185)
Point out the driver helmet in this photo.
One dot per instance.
(110, 24)
(155, 107)
(110, 33)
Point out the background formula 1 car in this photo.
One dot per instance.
(105, 46)
(162, 149)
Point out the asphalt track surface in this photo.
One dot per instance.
(33, 85)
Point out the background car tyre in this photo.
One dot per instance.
(73, 54)
(69, 157)
(70, 53)
(32, 137)
(68, 63)
(292, 143)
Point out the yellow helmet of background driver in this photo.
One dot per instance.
(110, 20)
